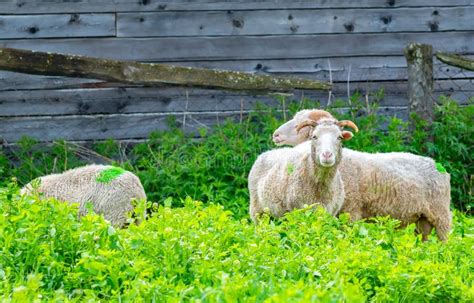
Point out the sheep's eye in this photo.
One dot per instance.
(340, 137)
(314, 137)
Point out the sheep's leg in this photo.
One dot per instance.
(424, 227)
(254, 211)
(355, 215)
(116, 208)
(440, 218)
(443, 225)
(255, 208)
(117, 218)
(442, 232)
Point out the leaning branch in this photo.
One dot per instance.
(456, 60)
(146, 74)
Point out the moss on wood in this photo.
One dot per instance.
(147, 74)
(456, 60)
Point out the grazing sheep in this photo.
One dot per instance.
(109, 189)
(284, 179)
(402, 185)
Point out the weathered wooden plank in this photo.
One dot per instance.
(19, 81)
(456, 60)
(462, 93)
(99, 127)
(124, 100)
(131, 126)
(173, 99)
(57, 26)
(80, 6)
(248, 47)
(288, 22)
(147, 74)
(361, 69)
(339, 69)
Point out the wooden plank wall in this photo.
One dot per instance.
(357, 41)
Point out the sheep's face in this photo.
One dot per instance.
(326, 143)
(287, 134)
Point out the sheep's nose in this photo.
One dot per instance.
(276, 137)
(327, 154)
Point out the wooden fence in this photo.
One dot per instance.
(355, 42)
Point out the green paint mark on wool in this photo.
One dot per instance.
(109, 174)
(290, 169)
(440, 168)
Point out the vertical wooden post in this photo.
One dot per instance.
(420, 81)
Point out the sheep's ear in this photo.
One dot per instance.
(346, 135)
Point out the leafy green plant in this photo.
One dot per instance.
(201, 252)
(453, 146)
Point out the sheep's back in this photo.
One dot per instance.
(81, 185)
(401, 185)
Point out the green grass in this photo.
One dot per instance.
(202, 253)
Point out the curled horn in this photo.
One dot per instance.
(317, 114)
(349, 124)
(314, 117)
(305, 123)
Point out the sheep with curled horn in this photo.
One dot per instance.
(288, 178)
(404, 186)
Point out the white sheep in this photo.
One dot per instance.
(402, 185)
(288, 178)
(109, 189)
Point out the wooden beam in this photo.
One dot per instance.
(367, 69)
(57, 25)
(420, 81)
(218, 48)
(146, 74)
(456, 60)
(76, 6)
(293, 22)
